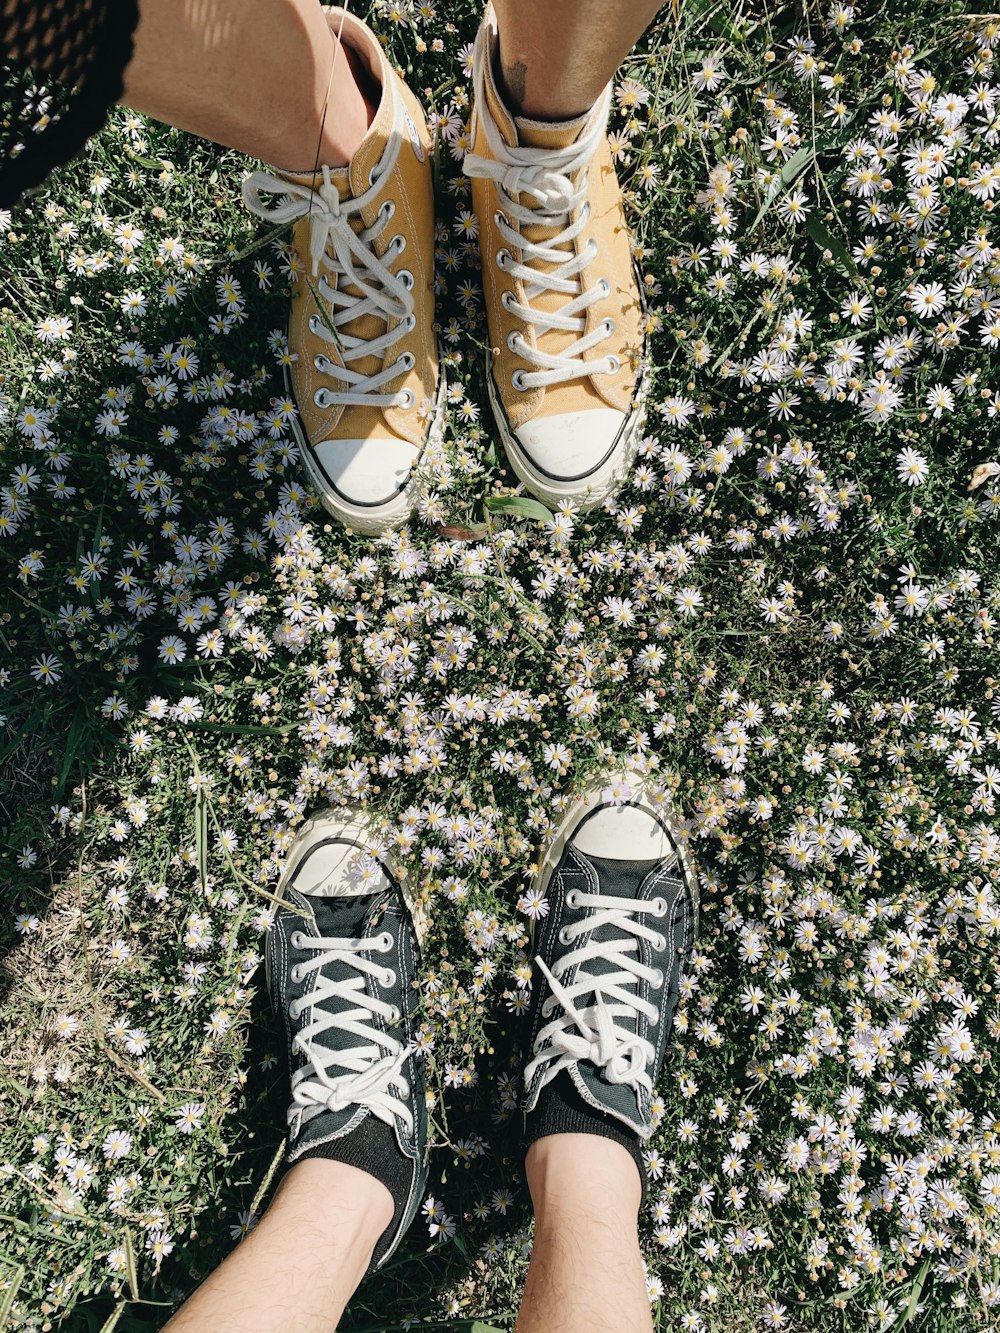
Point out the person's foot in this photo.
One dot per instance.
(340, 974)
(622, 921)
(567, 376)
(366, 379)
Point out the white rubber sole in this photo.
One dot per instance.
(370, 520)
(588, 491)
(350, 823)
(592, 798)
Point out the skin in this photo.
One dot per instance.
(298, 1268)
(254, 75)
(557, 58)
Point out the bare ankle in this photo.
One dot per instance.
(567, 1171)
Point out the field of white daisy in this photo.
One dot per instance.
(787, 620)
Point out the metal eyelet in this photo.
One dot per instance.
(517, 380)
(654, 1020)
(295, 974)
(389, 977)
(406, 278)
(296, 938)
(605, 287)
(615, 366)
(373, 175)
(400, 243)
(384, 942)
(294, 1010)
(506, 299)
(388, 209)
(564, 936)
(407, 361)
(411, 398)
(313, 324)
(572, 898)
(659, 907)
(394, 1015)
(547, 1008)
(658, 979)
(513, 340)
(610, 326)
(320, 361)
(501, 255)
(320, 398)
(660, 942)
(410, 322)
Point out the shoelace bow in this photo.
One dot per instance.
(623, 1055)
(373, 1074)
(548, 175)
(350, 257)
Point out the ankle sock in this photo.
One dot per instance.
(372, 1147)
(561, 1110)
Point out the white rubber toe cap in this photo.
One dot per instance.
(571, 445)
(366, 472)
(623, 832)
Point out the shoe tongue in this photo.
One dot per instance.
(549, 134)
(313, 180)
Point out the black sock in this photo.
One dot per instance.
(561, 1110)
(372, 1147)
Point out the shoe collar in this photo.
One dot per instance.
(524, 131)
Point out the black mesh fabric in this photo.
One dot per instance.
(62, 65)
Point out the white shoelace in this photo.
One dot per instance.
(350, 257)
(590, 1033)
(547, 174)
(374, 1073)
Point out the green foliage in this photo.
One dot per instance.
(794, 643)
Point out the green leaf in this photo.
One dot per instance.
(914, 1301)
(201, 837)
(10, 1295)
(826, 241)
(78, 727)
(520, 505)
(112, 1319)
(131, 1267)
(795, 165)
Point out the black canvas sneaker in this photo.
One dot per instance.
(622, 921)
(340, 974)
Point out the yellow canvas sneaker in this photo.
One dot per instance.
(567, 374)
(366, 381)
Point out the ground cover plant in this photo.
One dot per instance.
(787, 621)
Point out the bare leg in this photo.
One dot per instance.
(557, 58)
(253, 75)
(586, 1272)
(298, 1268)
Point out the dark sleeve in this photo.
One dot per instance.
(62, 66)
